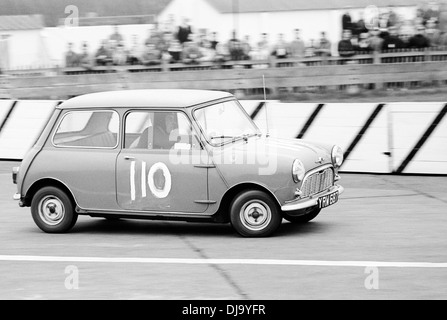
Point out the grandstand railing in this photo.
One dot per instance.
(382, 70)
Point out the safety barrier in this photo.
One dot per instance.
(409, 138)
(405, 55)
(401, 138)
(21, 125)
(243, 81)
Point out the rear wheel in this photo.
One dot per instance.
(254, 214)
(53, 211)
(308, 215)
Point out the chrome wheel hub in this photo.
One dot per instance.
(51, 210)
(255, 215)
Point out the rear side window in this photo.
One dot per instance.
(88, 129)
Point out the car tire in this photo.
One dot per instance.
(53, 211)
(254, 214)
(304, 218)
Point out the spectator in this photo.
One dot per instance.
(116, 36)
(392, 40)
(202, 38)
(191, 52)
(364, 46)
(151, 55)
(155, 37)
(383, 24)
(207, 53)
(246, 48)
(324, 46)
(430, 12)
(119, 55)
(85, 59)
(393, 19)
(297, 47)
(235, 48)
(103, 56)
(443, 40)
(345, 47)
(135, 52)
(71, 57)
(442, 21)
(214, 40)
(419, 40)
(184, 31)
(309, 51)
(432, 33)
(166, 38)
(346, 21)
(359, 27)
(375, 41)
(263, 48)
(222, 54)
(280, 48)
(407, 28)
(175, 50)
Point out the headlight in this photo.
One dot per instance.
(298, 171)
(337, 156)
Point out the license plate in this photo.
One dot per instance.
(328, 200)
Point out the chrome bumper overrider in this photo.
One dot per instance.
(17, 196)
(310, 202)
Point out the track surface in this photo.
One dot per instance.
(385, 239)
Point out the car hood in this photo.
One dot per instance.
(304, 150)
(283, 150)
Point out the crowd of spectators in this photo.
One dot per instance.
(389, 32)
(183, 45)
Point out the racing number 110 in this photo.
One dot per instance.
(147, 179)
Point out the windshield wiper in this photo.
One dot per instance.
(247, 135)
(244, 136)
(222, 137)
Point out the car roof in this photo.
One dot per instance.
(160, 98)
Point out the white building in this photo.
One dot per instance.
(22, 43)
(253, 17)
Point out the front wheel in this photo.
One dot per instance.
(308, 215)
(254, 214)
(53, 211)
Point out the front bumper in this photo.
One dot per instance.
(312, 201)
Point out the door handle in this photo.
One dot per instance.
(129, 158)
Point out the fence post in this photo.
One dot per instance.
(376, 57)
(427, 55)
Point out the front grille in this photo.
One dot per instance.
(317, 182)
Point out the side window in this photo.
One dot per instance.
(89, 129)
(159, 131)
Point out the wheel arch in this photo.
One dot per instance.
(223, 213)
(47, 182)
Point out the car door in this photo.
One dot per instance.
(82, 154)
(162, 166)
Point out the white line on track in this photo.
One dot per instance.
(226, 261)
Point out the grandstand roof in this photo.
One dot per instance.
(54, 10)
(22, 22)
(243, 6)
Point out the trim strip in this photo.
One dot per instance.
(309, 121)
(205, 201)
(422, 140)
(362, 131)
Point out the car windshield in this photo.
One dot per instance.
(225, 122)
